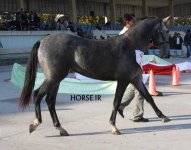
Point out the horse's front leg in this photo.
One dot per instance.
(143, 90)
(121, 86)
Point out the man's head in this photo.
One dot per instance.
(129, 20)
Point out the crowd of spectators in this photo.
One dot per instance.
(176, 41)
(22, 20)
(187, 42)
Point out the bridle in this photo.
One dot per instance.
(164, 41)
(163, 38)
(130, 41)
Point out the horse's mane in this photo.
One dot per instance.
(144, 20)
(147, 17)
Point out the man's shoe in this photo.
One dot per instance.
(159, 93)
(141, 120)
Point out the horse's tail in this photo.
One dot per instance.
(30, 77)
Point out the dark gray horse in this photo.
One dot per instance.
(111, 59)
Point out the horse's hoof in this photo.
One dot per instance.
(166, 119)
(64, 133)
(32, 127)
(116, 132)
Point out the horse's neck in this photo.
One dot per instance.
(141, 35)
(134, 41)
(129, 42)
(141, 39)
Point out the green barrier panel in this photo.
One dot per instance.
(150, 58)
(68, 85)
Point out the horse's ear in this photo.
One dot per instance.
(165, 20)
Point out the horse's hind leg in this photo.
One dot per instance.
(121, 86)
(38, 95)
(51, 101)
(38, 118)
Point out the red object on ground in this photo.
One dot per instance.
(152, 84)
(178, 72)
(187, 71)
(175, 77)
(158, 70)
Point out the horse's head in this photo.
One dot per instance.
(160, 33)
(149, 28)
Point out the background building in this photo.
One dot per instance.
(109, 8)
